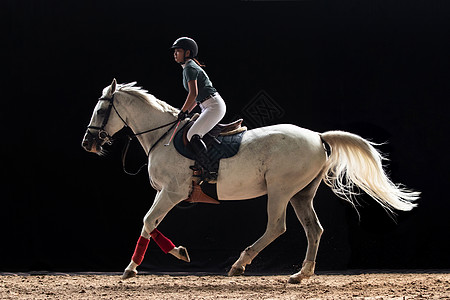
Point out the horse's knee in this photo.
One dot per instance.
(149, 223)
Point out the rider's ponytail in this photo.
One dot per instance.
(198, 63)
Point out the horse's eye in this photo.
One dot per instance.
(100, 112)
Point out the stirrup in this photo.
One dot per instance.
(203, 174)
(196, 171)
(211, 177)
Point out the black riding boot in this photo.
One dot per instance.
(199, 148)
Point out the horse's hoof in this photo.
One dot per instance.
(184, 255)
(296, 279)
(235, 271)
(129, 274)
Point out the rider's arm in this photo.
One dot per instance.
(190, 103)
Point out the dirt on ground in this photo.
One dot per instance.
(434, 285)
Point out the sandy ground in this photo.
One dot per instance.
(434, 285)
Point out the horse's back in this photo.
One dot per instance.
(282, 134)
(286, 146)
(278, 152)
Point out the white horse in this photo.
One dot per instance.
(285, 162)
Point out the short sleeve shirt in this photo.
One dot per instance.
(192, 71)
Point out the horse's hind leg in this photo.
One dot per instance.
(303, 206)
(276, 225)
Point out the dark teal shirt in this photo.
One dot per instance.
(192, 71)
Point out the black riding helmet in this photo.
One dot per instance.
(186, 43)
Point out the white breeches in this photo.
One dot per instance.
(213, 111)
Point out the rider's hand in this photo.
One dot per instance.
(182, 115)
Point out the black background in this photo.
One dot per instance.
(379, 69)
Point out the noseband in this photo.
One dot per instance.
(103, 135)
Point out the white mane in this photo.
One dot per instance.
(143, 95)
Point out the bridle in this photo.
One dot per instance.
(104, 136)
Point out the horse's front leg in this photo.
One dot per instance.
(162, 205)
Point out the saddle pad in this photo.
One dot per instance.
(228, 147)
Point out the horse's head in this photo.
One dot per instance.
(105, 122)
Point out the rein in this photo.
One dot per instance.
(103, 135)
(131, 137)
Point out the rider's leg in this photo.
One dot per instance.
(213, 111)
(199, 148)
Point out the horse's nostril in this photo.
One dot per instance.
(85, 144)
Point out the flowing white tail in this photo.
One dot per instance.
(354, 161)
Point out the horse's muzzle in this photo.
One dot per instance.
(89, 143)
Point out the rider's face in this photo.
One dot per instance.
(178, 55)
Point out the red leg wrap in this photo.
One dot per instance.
(139, 252)
(164, 243)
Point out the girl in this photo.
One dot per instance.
(200, 92)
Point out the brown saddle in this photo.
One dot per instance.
(218, 130)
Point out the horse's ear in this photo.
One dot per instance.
(113, 86)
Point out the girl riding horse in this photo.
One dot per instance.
(200, 92)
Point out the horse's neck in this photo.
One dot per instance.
(142, 117)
